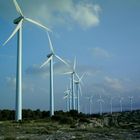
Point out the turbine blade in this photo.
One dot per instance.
(100, 100)
(80, 89)
(82, 77)
(79, 79)
(66, 96)
(77, 76)
(61, 60)
(67, 72)
(38, 24)
(74, 65)
(46, 62)
(50, 43)
(14, 32)
(18, 7)
(66, 92)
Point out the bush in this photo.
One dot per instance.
(73, 113)
(84, 120)
(56, 118)
(10, 138)
(66, 120)
(62, 119)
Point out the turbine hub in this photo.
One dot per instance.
(49, 55)
(17, 20)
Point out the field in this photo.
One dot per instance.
(119, 126)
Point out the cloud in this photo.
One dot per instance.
(59, 68)
(11, 82)
(114, 83)
(89, 70)
(36, 70)
(100, 53)
(107, 86)
(68, 12)
(86, 15)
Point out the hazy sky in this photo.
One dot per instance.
(102, 34)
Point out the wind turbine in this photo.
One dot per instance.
(131, 100)
(68, 96)
(90, 103)
(78, 90)
(19, 22)
(73, 73)
(50, 59)
(111, 99)
(121, 107)
(100, 100)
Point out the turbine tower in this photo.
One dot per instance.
(19, 22)
(100, 100)
(131, 102)
(68, 96)
(78, 90)
(73, 73)
(50, 59)
(121, 106)
(111, 99)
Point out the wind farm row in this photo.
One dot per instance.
(89, 108)
(73, 92)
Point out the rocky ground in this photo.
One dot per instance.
(118, 126)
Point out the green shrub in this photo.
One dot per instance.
(56, 118)
(62, 119)
(66, 120)
(10, 138)
(84, 120)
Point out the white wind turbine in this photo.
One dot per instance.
(70, 96)
(50, 59)
(131, 102)
(78, 90)
(67, 96)
(121, 106)
(90, 104)
(73, 73)
(100, 100)
(111, 102)
(19, 22)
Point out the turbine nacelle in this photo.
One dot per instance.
(49, 55)
(73, 72)
(17, 20)
(76, 82)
